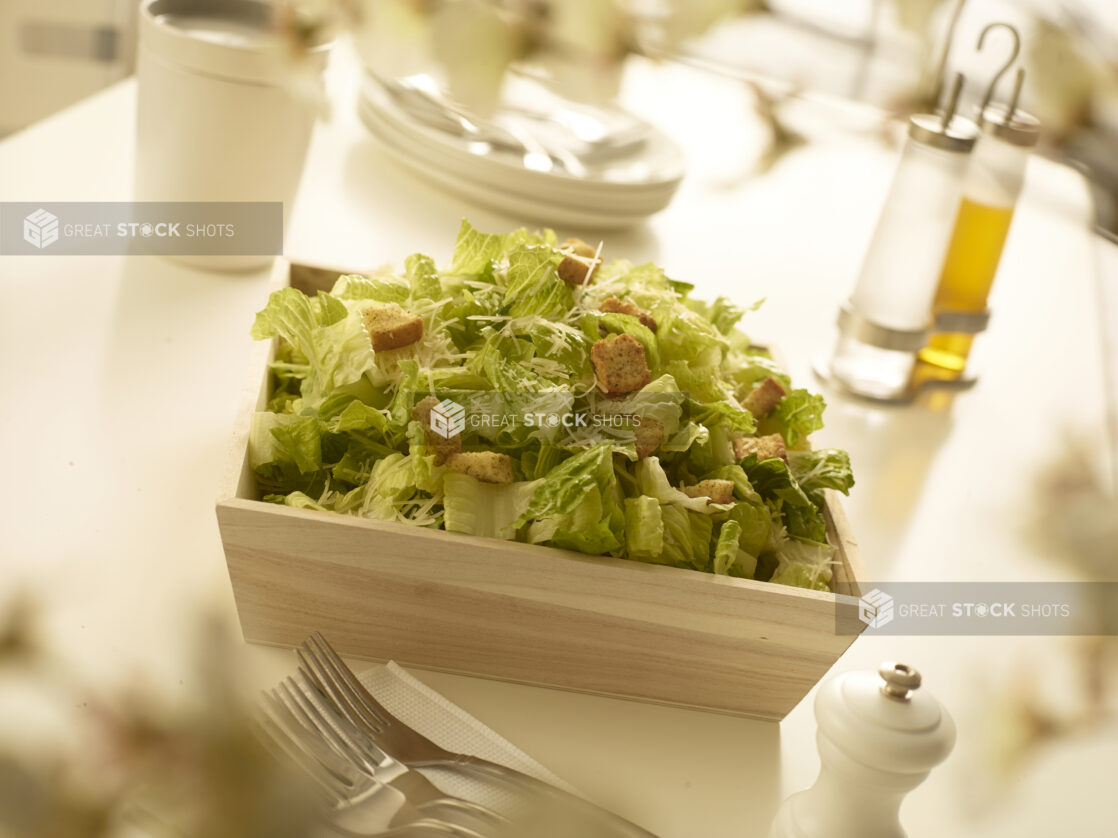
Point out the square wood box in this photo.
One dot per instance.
(520, 612)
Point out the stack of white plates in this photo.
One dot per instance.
(612, 190)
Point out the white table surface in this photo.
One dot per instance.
(122, 378)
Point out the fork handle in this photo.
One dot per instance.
(478, 815)
(619, 827)
(413, 829)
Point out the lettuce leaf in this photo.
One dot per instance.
(338, 353)
(774, 482)
(568, 484)
(400, 486)
(653, 481)
(596, 525)
(745, 369)
(275, 438)
(298, 500)
(576, 506)
(825, 468)
(344, 412)
(380, 287)
(804, 564)
(687, 537)
(474, 251)
(726, 548)
(797, 415)
(722, 312)
(644, 528)
(532, 284)
(485, 509)
(423, 278)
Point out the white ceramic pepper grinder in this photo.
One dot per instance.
(879, 737)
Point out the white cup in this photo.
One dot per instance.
(219, 118)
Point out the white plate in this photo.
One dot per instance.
(591, 214)
(616, 194)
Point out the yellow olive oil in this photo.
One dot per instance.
(968, 273)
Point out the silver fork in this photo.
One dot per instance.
(304, 701)
(354, 802)
(337, 682)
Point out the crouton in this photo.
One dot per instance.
(442, 447)
(576, 265)
(579, 248)
(391, 327)
(486, 466)
(649, 434)
(716, 491)
(765, 447)
(764, 397)
(421, 411)
(619, 364)
(612, 305)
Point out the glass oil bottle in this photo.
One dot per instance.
(993, 183)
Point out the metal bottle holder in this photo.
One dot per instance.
(853, 324)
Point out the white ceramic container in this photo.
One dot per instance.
(220, 116)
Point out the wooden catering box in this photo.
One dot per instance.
(519, 612)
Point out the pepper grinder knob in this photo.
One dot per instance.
(900, 680)
(879, 736)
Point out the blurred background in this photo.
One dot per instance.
(888, 54)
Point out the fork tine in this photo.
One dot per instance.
(324, 742)
(299, 704)
(282, 745)
(330, 684)
(336, 677)
(347, 680)
(344, 736)
(291, 717)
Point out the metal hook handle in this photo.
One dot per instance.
(1005, 67)
(952, 102)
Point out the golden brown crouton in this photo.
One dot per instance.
(442, 447)
(578, 247)
(573, 271)
(619, 364)
(391, 327)
(576, 265)
(765, 447)
(764, 397)
(616, 306)
(649, 434)
(716, 491)
(486, 466)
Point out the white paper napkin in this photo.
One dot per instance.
(448, 725)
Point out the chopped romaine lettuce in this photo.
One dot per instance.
(644, 528)
(507, 347)
(476, 508)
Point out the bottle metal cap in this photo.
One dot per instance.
(1015, 127)
(957, 136)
